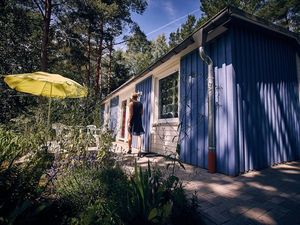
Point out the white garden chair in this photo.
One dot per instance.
(93, 131)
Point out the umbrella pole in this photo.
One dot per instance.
(49, 112)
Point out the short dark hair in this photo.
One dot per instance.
(134, 96)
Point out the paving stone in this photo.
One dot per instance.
(281, 209)
(296, 198)
(255, 213)
(272, 216)
(289, 204)
(291, 218)
(266, 219)
(267, 206)
(239, 209)
(261, 199)
(215, 214)
(277, 200)
(266, 197)
(207, 220)
(205, 205)
(212, 198)
(284, 195)
(245, 197)
(241, 220)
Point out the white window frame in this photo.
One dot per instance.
(167, 120)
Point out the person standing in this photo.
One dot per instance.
(135, 126)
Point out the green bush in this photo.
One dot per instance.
(96, 193)
(105, 195)
(158, 200)
(89, 189)
(22, 181)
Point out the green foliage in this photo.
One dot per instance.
(100, 22)
(285, 13)
(282, 12)
(97, 213)
(96, 194)
(19, 53)
(19, 48)
(159, 47)
(158, 200)
(138, 55)
(23, 164)
(14, 145)
(119, 74)
(212, 7)
(184, 31)
(150, 202)
(73, 49)
(87, 189)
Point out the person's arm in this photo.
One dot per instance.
(142, 112)
(130, 113)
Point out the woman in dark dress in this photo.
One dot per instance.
(135, 126)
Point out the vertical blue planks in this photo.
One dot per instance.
(193, 123)
(145, 87)
(257, 113)
(266, 80)
(226, 121)
(193, 108)
(113, 119)
(182, 109)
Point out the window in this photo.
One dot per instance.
(168, 95)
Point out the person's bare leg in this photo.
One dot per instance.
(129, 143)
(139, 145)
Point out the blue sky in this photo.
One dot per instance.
(167, 15)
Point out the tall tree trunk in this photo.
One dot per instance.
(110, 47)
(98, 84)
(88, 75)
(45, 41)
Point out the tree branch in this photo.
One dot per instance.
(39, 7)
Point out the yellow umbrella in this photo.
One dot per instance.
(46, 84)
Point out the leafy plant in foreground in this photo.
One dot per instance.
(22, 179)
(159, 200)
(97, 194)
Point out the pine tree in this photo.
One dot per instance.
(159, 47)
(183, 32)
(138, 54)
(188, 27)
(282, 12)
(174, 38)
(19, 53)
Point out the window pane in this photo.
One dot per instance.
(168, 90)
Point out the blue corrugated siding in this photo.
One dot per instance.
(257, 102)
(113, 119)
(226, 122)
(145, 87)
(193, 110)
(193, 107)
(267, 99)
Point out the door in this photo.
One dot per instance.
(123, 127)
